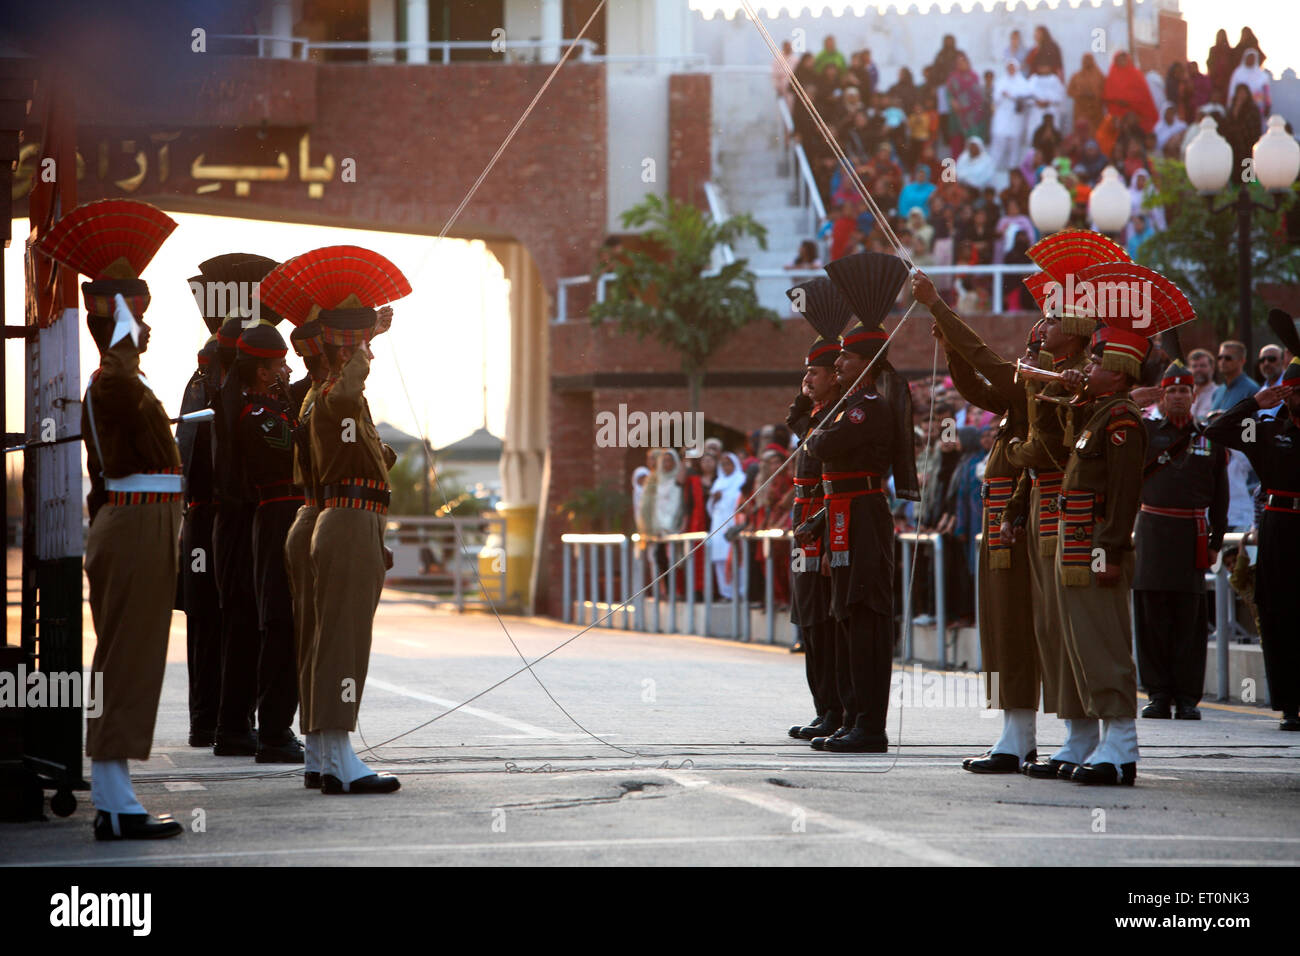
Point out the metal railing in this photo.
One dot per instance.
(804, 184)
(449, 557)
(552, 48)
(605, 573)
(788, 277)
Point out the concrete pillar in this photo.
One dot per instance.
(383, 29)
(524, 456)
(552, 30)
(281, 26)
(417, 30)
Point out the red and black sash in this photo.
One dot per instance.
(1078, 519)
(997, 495)
(840, 488)
(806, 505)
(1202, 529)
(1048, 484)
(1285, 502)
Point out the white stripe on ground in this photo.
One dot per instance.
(529, 729)
(894, 842)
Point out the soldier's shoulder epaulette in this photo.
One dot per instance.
(1123, 414)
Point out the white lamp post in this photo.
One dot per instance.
(1276, 164)
(1049, 203)
(1109, 205)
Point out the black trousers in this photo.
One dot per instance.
(1275, 577)
(277, 664)
(202, 606)
(819, 666)
(232, 546)
(864, 663)
(1171, 637)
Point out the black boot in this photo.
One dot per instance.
(1186, 709)
(998, 762)
(819, 743)
(1050, 769)
(858, 741)
(1105, 774)
(1158, 709)
(1290, 721)
(134, 826)
(375, 783)
(290, 751)
(235, 745)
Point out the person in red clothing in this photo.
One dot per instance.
(772, 512)
(1126, 91)
(695, 507)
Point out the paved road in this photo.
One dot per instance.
(694, 768)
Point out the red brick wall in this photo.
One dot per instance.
(690, 150)
(579, 348)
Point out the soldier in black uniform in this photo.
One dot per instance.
(232, 544)
(199, 598)
(869, 436)
(1185, 475)
(810, 589)
(264, 444)
(1273, 447)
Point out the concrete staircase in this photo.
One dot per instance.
(754, 175)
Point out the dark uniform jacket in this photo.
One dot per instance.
(1185, 470)
(860, 439)
(811, 590)
(264, 444)
(124, 426)
(1102, 486)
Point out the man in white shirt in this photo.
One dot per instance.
(1201, 363)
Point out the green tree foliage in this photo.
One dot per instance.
(668, 291)
(406, 480)
(1198, 250)
(603, 510)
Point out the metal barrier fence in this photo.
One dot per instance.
(442, 555)
(604, 575)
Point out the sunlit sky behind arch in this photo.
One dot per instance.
(459, 302)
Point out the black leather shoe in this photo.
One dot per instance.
(134, 826)
(1158, 709)
(1187, 712)
(819, 743)
(796, 730)
(288, 752)
(1051, 769)
(858, 741)
(1289, 722)
(797, 647)
(311, 779)
(1106, 774)
(202, 738)
(235, 745)
(995, 763)
(965, 764)
(823, 726)
(375, 783)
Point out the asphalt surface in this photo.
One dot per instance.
(674, 751)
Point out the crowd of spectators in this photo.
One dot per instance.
(951, 157)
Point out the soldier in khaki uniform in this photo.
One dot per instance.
(134, 503)
(1066, 332)
(307, 343)
(1010, 656)
(1100, 495)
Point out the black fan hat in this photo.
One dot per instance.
(870, 282)
(822, 306)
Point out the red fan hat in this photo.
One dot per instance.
(1134, 304)
(347, 283)
(111, 241)
(1063, 256)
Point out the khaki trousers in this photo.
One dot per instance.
(1060, 693)
(348, 559)
(131, 555)
(302, 588)
(1006, 631)
(1099, 642)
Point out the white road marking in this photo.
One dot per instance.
(896, 842)
(526, 728)
(178, 786)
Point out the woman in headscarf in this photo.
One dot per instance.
(1252, 76)
(1017, 189)
(772, 511)
(917, 193)
(1200, 91)
(1045, 53)
(700, 469)
(1126, 91)
(1177, 87)
(1013, 222)
(1085, 92)
(965, 102)
(1170, 125)
(918, 227)
(639, 479)
(1090, 163)
(1047, 95)
(975, 166)
(1010, 98)
(1241, 125)
(723, 501)
(1246, 41)
(1220, 64)
(905, 90)
(1140, 189)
